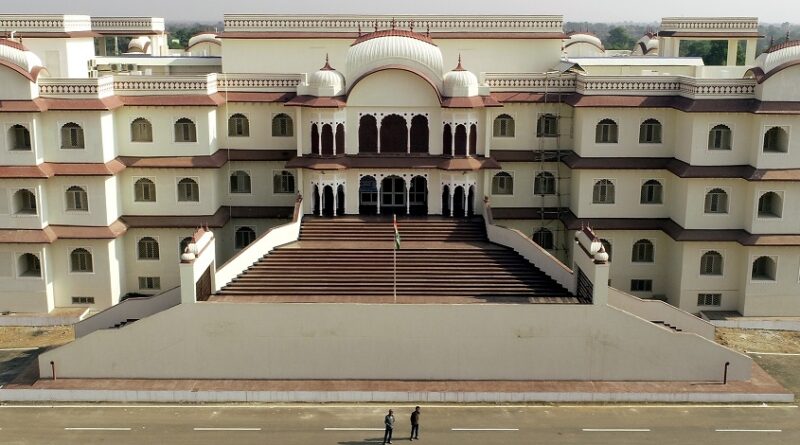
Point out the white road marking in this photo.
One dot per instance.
(772, 353)
(616, 430)
(354, 406)
(749, 431)
(227, 429)
(96, 429)
(484, 429)
(353, 429)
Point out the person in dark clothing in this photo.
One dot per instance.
(389, 422)
(415, 424)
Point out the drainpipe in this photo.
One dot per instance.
(725, 376)
(53, 368)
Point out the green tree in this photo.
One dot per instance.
(619, 38)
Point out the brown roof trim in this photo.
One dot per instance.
(115, 230)
(217, 220)
(23, 106)
(527, 97)
(54, 35)
(470, 102)
(393, 33)
(259, 97)
(717, 35)
(529, 155)
(399, 160)
(27, 236)
(216, 160)
(317, 102)
(260, 155)
(263, 212)
(402, 68)
(761, 77)
(212, 100)
(18, 69)
(49, 169)
(105, 104)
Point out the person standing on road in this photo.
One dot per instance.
(415, 424)
(389, 421)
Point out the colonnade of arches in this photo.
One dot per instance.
(327, 140)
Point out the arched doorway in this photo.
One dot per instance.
(446, 200)
(473, 140)
(327, 201)
(471, 201)
(340, 200)
(394, 134)
(340, 139)
(314, 139)
(418, 196)
(447, 140)
(419, 134)
(458, 201)
(315, 207)
(461, 140)
(327, 140)
(393, 195)
(368, 196)
(367, 134)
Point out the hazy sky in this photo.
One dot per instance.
(771, 11)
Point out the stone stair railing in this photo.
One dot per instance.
(130, 309)
(659, 311)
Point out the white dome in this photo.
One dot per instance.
(778, 56)
(15, 54)
(583, 45)
(460, 83)
(646, 46)
(394, 47)
(326, 82)
(584, 38)
(140, 44)
(204, 38)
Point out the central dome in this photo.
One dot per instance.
(408, 49)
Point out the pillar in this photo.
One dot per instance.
(321, 195)
(335, 199)
(466, 197)
(408, 139)
(319, 138)
(469, 138)
(408, 198)
(379, 142)
(451, 188)
(380, 188)
(733, 46)
(452, 139)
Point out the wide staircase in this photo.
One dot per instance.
(350, 259)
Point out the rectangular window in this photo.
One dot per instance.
(149, 283)
(82, 300)
(641, 285)
(709, 299)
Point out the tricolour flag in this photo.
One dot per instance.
(396, 233)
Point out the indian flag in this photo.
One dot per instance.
(396, 233)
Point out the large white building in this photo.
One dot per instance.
(108, 163)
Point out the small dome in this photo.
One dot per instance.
(326, 82)
(139, 45)
(394, 47)
(20, 58)
(646, 46)
(779, 56)
(208, 37)
(582, 37)
(460, 82)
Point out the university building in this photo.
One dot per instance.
(115, 149)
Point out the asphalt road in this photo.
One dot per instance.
(354, 425)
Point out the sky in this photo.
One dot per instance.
(768, 11)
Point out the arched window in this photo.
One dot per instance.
(327, 140)
(547, 126)
(144, 190)
(776, 140)
(72, 136)
(603, 192)
(652, 192)
(340, 139)
(461, 140)
(606, 132)
(716, 201)
(29, 265)
(642, 251)
(24, 202)
(282, 125)
(240, 182)
(419, 134)
(447, 140)
(184, 244)
(544, 238)
(244, 236)
(764, 269)
(238, 125)
(188, 191)
(141, 130)
(314, 139)
(185, 130)
(367, 134)
(711, 263)
(77, 199)
(504, 126)
(81, 261)
(394, 134)
(147, 249)
(544, 184)
(473, 140)
(503, 184)
(283, 182)
(650, 132)
(19, 138)
(607, 246)
(770, 205)
(719, 138)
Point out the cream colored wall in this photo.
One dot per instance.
(260, 117)
(166, 181)
(779, 297)
(16, 86)
(102, 207)
(97, 131)
(166, 267)
(761, 123)
(782, 86)
(492, 55)
(623, 269)
(692, 138)
(627, 194)
(283, 55)
(95, 284)
(334, 341)
(524, 174)
(226, 236)
(261, 185)
(24, 294)
(20, 157)
(692, 283)
(64, 57)
(10, 220)
(163, 121)
(628, 122)
(635, 70)
(788, 222)
(738, 204)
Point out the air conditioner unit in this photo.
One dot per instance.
(116, 67)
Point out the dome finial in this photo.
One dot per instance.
(327, 66)
(411, 25)
(428, 31)
(359, 29)
(393, 23)
(376, 25)
(459, 67)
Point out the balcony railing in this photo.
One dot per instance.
(36, 23)
(93, 88)
(706, 24)
(258, 82)
(533, 82)
(131, 25)
(165, 85)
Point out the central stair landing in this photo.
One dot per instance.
(350, 259)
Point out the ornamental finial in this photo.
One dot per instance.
(411, 26)
(376, 26)
(393, 23)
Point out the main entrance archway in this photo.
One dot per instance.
(418, 196)
(446, 200)
(394, 134)
(458, 201)
(393, 195)
(327, 201)
(368, 196)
